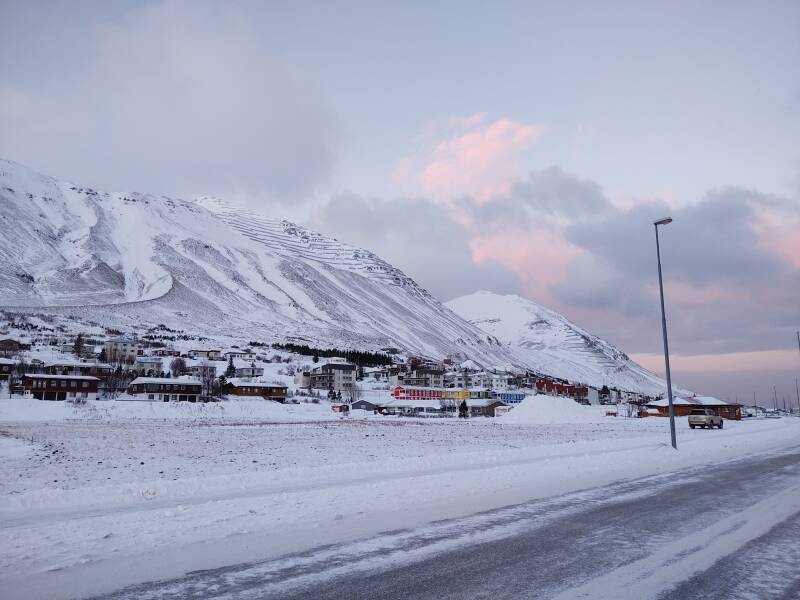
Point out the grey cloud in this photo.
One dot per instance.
(175, 98)
(710, 245)
(546, 195)
(418, 237)
(552, 191)
(712, 240)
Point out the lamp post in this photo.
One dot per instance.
(665, 221)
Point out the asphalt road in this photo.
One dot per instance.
(731, 531)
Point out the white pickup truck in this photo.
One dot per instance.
(702, 417)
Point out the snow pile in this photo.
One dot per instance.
(29, 410)
(541, 409)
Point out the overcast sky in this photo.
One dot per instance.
(523, 149)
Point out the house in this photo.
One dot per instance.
(458, 379)
(483, 407)
(166, 352)
(44, 386)
(166, 389)
(269, 391)
(423, 377)
(250, 370)
(365, 405)
(334, 376)
(413, 408)
(149, 364)
(203, 371)
(501, 382)
(9, 346)
(585, 394)
(75, 367)
(121, 350)
(510, 397)
(6, 367)
(238, 354)
(683, 405)
(207, 354)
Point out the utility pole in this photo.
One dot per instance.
(666, 221)
(797, 391)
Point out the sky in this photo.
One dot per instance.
(522, 148)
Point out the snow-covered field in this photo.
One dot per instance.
(111, 493)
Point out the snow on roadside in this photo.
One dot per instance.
(541, 409)
(140, 485)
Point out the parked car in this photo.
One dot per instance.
(702, 417)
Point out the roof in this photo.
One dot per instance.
(150, 359)
(690, 401)
(6, 361)
(184, 380)
(337, 366)
(122, 340)
(47, 376)
(256, 384)
(75, 363)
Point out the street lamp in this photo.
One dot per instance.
(665, 221)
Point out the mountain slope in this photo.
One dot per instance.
(132, 260)
(551, 344)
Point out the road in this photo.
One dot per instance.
(729, 531)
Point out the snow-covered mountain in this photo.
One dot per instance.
(130, 261)
(551, 344)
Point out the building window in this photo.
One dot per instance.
(151, 396)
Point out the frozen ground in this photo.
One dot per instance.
(112, 494)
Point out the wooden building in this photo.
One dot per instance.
(165, 389)
(683, 405)
(43, 386)
(268, 391)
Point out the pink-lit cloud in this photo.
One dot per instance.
(538, 257)
(476, 158)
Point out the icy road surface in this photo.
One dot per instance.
(708, 532)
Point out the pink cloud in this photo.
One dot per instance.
(539, 257)
(478, 159)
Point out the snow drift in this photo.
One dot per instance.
(545, 410)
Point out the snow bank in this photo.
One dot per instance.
(26, 409)
(541, 409)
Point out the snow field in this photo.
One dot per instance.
(81, 514)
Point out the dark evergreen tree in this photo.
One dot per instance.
(231, 370)
(78, 346)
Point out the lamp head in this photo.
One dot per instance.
(664, 221)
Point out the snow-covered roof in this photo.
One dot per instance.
(75, 363)
(184, 380)
(47, 376)
(238, 383)
(690, 401)
(6, 361)
(122, 340)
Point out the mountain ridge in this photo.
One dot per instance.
(552, 344)
(130, 261)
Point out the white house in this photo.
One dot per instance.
(121, 350)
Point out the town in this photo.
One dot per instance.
(129, 368)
